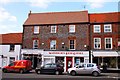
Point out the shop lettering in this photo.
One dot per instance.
(66, 53)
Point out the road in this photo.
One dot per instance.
(32, 75)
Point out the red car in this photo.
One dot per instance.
(20, 66)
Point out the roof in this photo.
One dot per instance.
(56, 18)
(11, 38)
(104, 17)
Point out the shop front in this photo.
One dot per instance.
(67, 59)
(107, 58)
(34, 55)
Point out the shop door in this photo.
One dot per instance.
(68, 62)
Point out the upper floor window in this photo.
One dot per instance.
(108, 43)
(71, 28)
(53, 44)
(72, 44)
(97, 29)
(35, 44)
(12, 47)
(53, 29)
(107, 28)
(36, 29)
(97, 43)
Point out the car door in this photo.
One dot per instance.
(46, 68)
(11, 67)
(81, 69)
(89, 68)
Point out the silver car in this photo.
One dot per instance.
(85, 68)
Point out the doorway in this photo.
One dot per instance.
(68, 63)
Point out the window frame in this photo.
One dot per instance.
(54, 46)
(12, 47)
(36, 29)
(110, 43)
(97, 43)
(108, 28)
(73, 28)
(72, 44)
(53, 29)
(35, 44)
(94, 28)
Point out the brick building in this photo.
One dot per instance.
(104, 38)
(69, 38)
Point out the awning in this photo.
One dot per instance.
(105, 54)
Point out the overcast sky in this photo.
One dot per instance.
(13, 13)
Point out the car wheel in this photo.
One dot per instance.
(95, 74)
(21, 71)
(38, 72)
(73, 73)
(5, 70)
(57, 72)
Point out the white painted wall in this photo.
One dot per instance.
(4, 50)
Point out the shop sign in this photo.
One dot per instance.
(66, 53)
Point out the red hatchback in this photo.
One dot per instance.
(18, 66)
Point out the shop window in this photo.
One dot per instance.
(97, 43)
(35, 44)
(53, 29)
(12, 47)
(97, 29)
(36, 30)
(107, 28)
(53, 44)
(72, 44)
(71, 28)
(108, 43)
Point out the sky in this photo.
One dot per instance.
(13, 13)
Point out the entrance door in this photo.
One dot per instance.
(68, 62)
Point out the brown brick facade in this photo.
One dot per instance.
(61, 36)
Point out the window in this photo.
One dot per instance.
(53, 44)
(97, 43)
(108, 43)
(36, 29)
(72, 45)
(35, 44)
(53, 29)
(71, 28)
(97, 29)
(12, 59)
(107, 28)
(12, 47)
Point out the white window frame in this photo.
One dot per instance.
(110, 43)
(73, 44)
(34, 43)
(36, 29)
(53, 29)
(97, 28)
(71, 28)
(108, 29)
(97, 43)
(53, 45)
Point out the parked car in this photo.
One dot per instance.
(50, 68)
(20, 66)
(85, 68)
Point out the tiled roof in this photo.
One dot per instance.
(57, 18)
(104, 17)
(11, 38)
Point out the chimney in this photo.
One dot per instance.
(29, 13)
